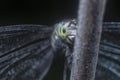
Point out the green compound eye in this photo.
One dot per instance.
(64, 31)
(61, 31)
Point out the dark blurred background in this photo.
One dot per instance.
(47, 12)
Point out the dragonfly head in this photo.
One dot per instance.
(64, 32)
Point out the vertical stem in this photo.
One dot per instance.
(85, 55)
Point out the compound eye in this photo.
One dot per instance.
(64, 31)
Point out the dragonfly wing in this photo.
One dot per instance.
(109, 54)
(25, 52)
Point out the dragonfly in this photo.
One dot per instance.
(26, 53)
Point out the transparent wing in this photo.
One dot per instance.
(25, 52)
(109, 54)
